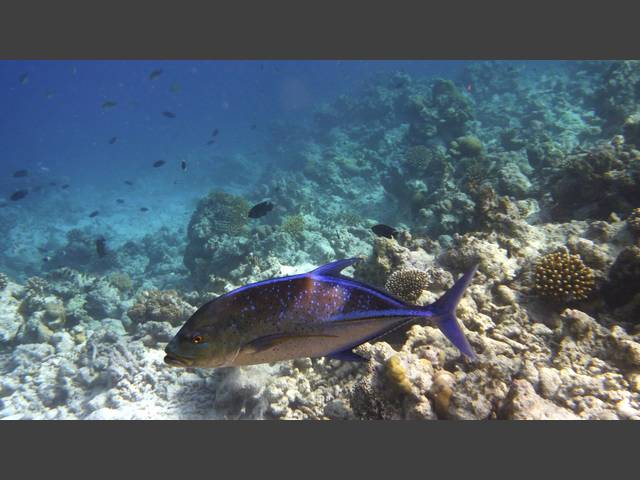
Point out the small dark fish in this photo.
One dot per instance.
(261, 209)
(46, 259)
(183, 164)
(128, 182)
(155, 74)
(113, 140)
(211, 142)
(42, 249)
(144, 209)
(101, 247)
(109, 104)
(20, 173)
(253, 126)
(385, 231)
(24, 78)
(120, 201)
(215, 132)
(65, 186)
(169, 114)
(53, 184)
(94, 214)
(321, 313)
(158, 163)
(18, 195)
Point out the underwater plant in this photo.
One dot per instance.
(407, 284)
(563, 276)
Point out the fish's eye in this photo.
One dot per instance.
(196, 339)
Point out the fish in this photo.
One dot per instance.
(120, 201)
(183, 164)
(113, 140)
(215, 132)
(253, 126)
(65, 186)
(24, 78)
(101, 247)
(158, 163)
(109, 104)
(261, 209)
(20, 173)
(169, 114)
(322, 313)
(18, 195)
(128, 182)
(144, 209)
(386, 231)
(94, 214)
(155, 74)
(46, 258)
(211, 142)
(53, 184)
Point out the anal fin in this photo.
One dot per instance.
(347, 356)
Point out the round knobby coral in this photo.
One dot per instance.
(418, 158)
(293, 225)
(634, 220)
(563, 276)
(407, 284)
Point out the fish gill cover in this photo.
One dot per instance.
(528, 169)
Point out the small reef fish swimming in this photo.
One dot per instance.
(183, 165)
(155, 74)
(24, 78)
(158, 163)
(109, 104)
(101, 247)
(317, 314)
(215, 132)
(144, 209)
(65, 186)
(169, 114)
(386, 231)
(18, 195)
(20, 173)
(113, 140)
(261, 209)
(94, 214)
(120, 201)
(129, 182)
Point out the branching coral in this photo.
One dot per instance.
(563, 276)
(160, 306)
(468, 146)
(121, 281)
(407, 284)
(293, 225)
(634, 220)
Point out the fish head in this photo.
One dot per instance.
(200, 344)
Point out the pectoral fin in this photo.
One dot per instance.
(269, 341)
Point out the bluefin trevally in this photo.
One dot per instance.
(322, 313)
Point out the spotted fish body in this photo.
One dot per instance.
(316, 314)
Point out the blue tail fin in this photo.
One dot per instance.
(444, 310)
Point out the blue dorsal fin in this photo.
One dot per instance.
(333, 269)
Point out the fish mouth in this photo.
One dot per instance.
(176, 361)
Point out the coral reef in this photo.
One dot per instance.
(159, 306)
(4, 281)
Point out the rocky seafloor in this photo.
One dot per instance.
(532, 174)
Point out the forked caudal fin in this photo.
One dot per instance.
(444, 311)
